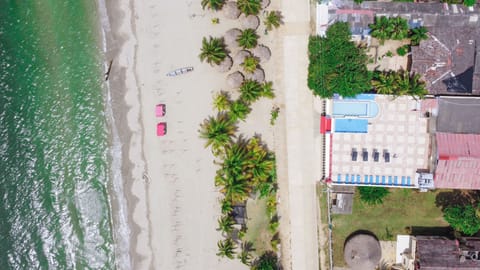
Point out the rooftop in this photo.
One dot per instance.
(448, 59)
(458, 115)
(439, 253)
(458, 164)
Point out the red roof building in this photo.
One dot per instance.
(458, 161)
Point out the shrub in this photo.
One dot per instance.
(373, 195)
(402, 51)
(462, 218)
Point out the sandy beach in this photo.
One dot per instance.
(168, 181)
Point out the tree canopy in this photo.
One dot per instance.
(337, 65)
(268, 261)
(389, 28)
(373, 195)
(462, 218)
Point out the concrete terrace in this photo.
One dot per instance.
(399, 129)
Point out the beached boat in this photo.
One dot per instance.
(179, 71)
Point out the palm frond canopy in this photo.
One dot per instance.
(262, 52)
(231, 37)
(213, 50)
(240, 56)
(213, 4)
(231, 10)
(265, 4)
(234, 80)
(249, 7)
(225, 65)
(248, 39)
(258, 75)
(250, 21)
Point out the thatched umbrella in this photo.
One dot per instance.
(240, 56)
(231, 36)
(258, 75)
(231, 10)
(225, 65)
(234, 80)
(362, 252)
(250, 21)
(262, 52)
(265, 4)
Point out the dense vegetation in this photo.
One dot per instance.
(398, 83)
(384, 28)
(463, 218)
(337, 65)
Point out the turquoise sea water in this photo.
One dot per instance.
(54, 161)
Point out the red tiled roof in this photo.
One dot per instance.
(459, 161)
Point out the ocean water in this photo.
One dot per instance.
(54, 140)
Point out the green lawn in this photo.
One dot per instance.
(257, 226)
(401, 208)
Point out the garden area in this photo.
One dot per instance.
(246, 175)
(339, 65)
(402, 211)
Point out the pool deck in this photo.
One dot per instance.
(399, 128)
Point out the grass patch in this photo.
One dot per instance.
(257, 224)
(400, 209)
(322, 198)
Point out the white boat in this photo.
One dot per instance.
(179, 71)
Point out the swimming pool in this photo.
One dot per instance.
(355, 108)
(351, 125)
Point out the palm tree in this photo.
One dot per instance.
(221, 101)
(379, 29)
(402, 83)
(248, 38)
(384, 83)
(226, 206)
(249, 7)
(239, 110)
(250, 64)
(218, 131)
(400, 28)
(225, 224)
(226, 248)
(418, 34)
(250, 91)
(237, 190)
(213, 50)
(417, 87)
(235, 161)
(272, 19)
(213, 4)
(245, 255)
(267, 90)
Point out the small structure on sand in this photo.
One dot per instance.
(231, 37)
(234, 80)
(225, 65)
(250, 21)
(362, 251)
(231, 10)
(262, 52)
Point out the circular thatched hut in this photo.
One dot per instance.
(240, 56)
(265, 3)
(258, 75)
(362, 252)
(235, 79)
(250, 21)
(225, 65)
(262, 52)
(231, 37)
(231, 10)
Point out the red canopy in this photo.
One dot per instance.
(325, 124)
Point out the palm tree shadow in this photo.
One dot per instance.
(457, 198)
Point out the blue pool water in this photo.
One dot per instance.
(351, 125)
(350, 108)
